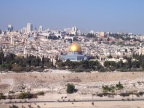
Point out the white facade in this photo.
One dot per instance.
(72, 30)
(10, 28)
(29, 27)
(40, 28)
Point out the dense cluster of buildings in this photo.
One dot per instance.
(57, 43)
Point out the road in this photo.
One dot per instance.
(16, 101)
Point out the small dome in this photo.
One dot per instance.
(74, 47)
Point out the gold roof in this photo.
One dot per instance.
(74, 47)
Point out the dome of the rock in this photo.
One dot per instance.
(74, 47)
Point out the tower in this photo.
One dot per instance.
(29, 27)
(40, 28)
(10, 28)
(74, 30)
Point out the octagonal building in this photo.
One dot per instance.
(74, 54)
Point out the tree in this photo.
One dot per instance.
(106, 63)
(70, 88)
(60, 65)
(112, 65)
(35, 62)
(135, 64)
(68, 63)
(142, 65)
(120, 64)
(129, 61)
(17, 68)
(1, 57)
(42, 62)
(10, 58)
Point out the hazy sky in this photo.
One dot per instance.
(97, 15)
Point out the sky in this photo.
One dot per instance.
(98, 15)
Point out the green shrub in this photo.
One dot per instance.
(13, 106)
(25, 95)
(40, 93)
(70, 88)
(119, 86)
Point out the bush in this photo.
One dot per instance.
(92, 103)
(140, 93)
(79, 69)
(119, 86)
(100, 95)
(2, 96)
(25, 95)
(124, 94)
(13, 106)
(40, 93)
(70, 88)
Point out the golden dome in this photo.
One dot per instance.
(74, 47)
